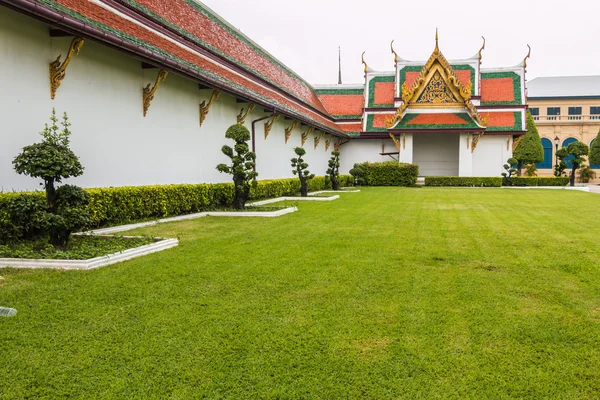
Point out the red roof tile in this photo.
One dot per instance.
(351, 127)
(384, 92)
(500, 119)
(343, 104)
(497, 89)
(379, 120)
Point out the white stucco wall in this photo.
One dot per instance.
(436, 154)
(358, 151)
(490, 155)
(102, 94)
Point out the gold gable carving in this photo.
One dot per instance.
(436, 92)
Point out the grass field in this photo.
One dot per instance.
(387, 293)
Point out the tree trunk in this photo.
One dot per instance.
(335, 184)
(519, 168)
(303, 187)
(572, 177)
(50, 196)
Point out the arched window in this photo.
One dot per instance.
(595, 166)
(547, 163)
(567, 142)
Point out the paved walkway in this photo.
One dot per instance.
(594, 188)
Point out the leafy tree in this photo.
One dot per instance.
(578, 150)
(586, 174)
(530, 149)
(530, 170)
(52, 160)
(334, 170)
(301, 169)
(359, 175)
(561, 166)
(510, 170)
(595, 151)
(243, 163)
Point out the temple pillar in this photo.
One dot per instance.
(465, 155)
(406, 148)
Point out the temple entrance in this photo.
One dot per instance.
(436, 154)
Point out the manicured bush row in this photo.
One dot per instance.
(389, 173)
(121, 205)
(535, 181)
(463, 181)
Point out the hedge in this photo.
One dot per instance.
(389, 173)
(463, 181)
(122, 205)
(535, 181)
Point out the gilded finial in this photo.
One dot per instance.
(394, 52)
(437, 47)
(526, 57)
(363, 61)
(482, 48)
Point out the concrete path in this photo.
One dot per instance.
(594, 188)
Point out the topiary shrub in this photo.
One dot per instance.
(595, 151)
(561, 166)
(243, 163)
(530, 149)
(301, 169)
(510, 170)
(52, 160)
(578, 151)
(20, 217)
(334, 170)
(358, 174)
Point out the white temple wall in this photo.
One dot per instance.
(358, 151)
(117, 145)
(436, 154)
(491, 154)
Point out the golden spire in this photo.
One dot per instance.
(363, 61)
(482, 48)
(526, 57)
(394, 52)
(437, 47)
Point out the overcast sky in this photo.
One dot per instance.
(305, 35)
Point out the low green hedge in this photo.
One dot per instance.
(463, 181)
(122, 205)
(535, 181)
(389, 173)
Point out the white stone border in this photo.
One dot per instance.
(333, 191)
(160, 245)
(576, 188)
(278, 199)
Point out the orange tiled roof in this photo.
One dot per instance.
(343, 104)
(384, 92)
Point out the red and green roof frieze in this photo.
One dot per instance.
(377, 122)
(501, 88)
(437, 121)
(343, 103)
(381, 92)
(113, 24)
(504, 121)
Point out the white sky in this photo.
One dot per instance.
(305, 34)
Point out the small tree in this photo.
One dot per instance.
(358, 173)
(334, 170)
(530, 170)
(595, 150)
(578, 151)
(586, 174)
(510, 170)
(52, 160)
(561, 165)
(530, 149)
(243, 163)
(301, 169)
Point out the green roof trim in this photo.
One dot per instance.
(404, 123)
(371, 99)
(67, 11)
(340, 91)
(456, 67)
(370, 121)
(355, 116)
(516, 87)
(518, 126)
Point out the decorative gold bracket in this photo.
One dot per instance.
(516, 142)
(205, 107)
(526, 57)
(396, 141)
(481, 49)
(318, 140)
(475, 141)
(305, 135)
(328, 142)
(394, 52)
(363, 61)
(269, 124)
(241, 118)
(337, 144)
(149, 93)
(290, 129)
(58, 70)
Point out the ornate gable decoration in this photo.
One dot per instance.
(436, 86)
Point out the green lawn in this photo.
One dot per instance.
(387, 293)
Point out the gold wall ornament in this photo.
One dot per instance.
(241, 118)
(149, 93)
(58, 70)
(526, 57)
(516, 142)
(318, 140)
(305, 135)
(337, 144)
(328, 142)
(205, 107)
(481, 49)
(475, 141)
(394, 53)
(396, 141)
(269, 124)
(290, 129)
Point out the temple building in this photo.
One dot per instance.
(150, 88)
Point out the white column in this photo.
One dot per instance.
(465, 156)
(406, 148)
